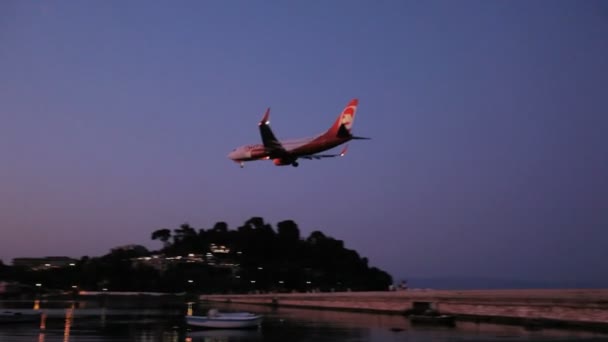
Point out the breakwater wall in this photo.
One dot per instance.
(585, 309)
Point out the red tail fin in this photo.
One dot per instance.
(345, 119)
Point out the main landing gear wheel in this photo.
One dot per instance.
(295, 164)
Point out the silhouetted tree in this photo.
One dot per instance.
(220, 227)
(184, 231)
(163, 235)
(288, 231)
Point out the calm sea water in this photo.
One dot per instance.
(126, 320)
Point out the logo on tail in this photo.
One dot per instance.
(345, 120)
(347, 117)
(348, 114)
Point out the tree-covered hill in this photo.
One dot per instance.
(252, 257)
(276, 259)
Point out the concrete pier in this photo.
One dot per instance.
(585, 309)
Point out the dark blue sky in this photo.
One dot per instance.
(489, 123)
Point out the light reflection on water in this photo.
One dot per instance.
(75, 321)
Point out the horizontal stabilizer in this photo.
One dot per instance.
(345, 134)
(320, 156)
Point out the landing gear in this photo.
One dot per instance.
(241, 165)
(295, 164)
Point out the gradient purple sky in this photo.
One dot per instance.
(489, 123)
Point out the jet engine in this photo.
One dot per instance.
(281, 162)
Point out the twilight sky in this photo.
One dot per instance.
(489, 122)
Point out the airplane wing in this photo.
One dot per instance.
(319, 156)
(270, 141)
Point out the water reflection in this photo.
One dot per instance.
(224, 335)
(43, 320)
(172, 336)
(103, 317)
(69, 317)
(89, 321)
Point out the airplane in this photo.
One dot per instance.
(288, 152)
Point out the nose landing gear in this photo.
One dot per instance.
(295, 164)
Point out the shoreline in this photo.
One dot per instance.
(575, 309)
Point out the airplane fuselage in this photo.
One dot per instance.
(294, 148)
(289, 151)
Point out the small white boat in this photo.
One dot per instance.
(225, 320)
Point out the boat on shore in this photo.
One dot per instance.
(432, 319)
(8, 316)
(225, 320)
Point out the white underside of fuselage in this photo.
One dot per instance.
(252, 152)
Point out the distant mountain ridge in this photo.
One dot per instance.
(486, 283)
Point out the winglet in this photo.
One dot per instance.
(265, 120)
